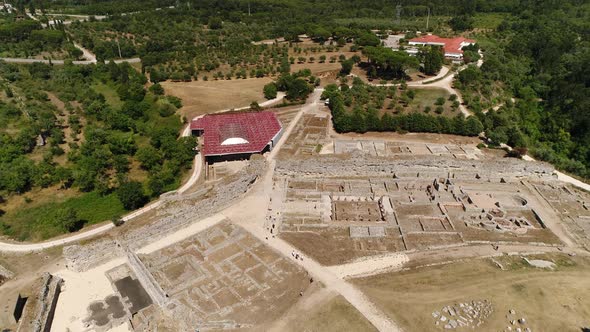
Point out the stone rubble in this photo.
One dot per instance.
(517, 324)
(465, 314)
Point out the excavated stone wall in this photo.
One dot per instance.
(83, 257)
(45, 303)
(180, 211)
(430, 166)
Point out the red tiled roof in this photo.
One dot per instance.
(451, 45)
(246, 132)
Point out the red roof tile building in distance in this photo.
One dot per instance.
(237, 135)
(453, 47)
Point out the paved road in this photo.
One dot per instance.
(196, 174)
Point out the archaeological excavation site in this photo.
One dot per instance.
(324, 232)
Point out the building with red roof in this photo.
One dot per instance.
(453, 47)
(237, 135)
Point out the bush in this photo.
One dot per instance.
(177, 102)
(157, 89)
(270, 91)
(132, 195)
(117, 221)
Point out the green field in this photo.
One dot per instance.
(35, 223)
(489, 20)
(109, 93)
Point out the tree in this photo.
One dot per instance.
(132, 195)
(254, 106)
(388, 64)
(470, 75)
(157, 89)
(346, 67)
(462, 23)
(149, 157)
(298, 89)
(270, 91)
(473, 126)
(67, 219)
(433, 60)
(215, 23)
(320, 35)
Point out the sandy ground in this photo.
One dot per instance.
(370, 265)
(80, 289)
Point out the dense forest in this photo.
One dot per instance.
(536, 67)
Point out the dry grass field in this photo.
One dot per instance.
(202, 97)
(333, 315)
(550, 300)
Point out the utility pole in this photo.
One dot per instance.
(119, 47)
(427, 18)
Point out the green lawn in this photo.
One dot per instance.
(35, 223)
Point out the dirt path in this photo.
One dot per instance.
(89, 56)
(370, 265)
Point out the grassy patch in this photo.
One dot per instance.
(428, 97)
(488, 20)
(109, 93)
(35, 223)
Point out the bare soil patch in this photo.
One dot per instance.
(203, 97)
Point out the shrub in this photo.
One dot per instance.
(270, 91)
(132, 195)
